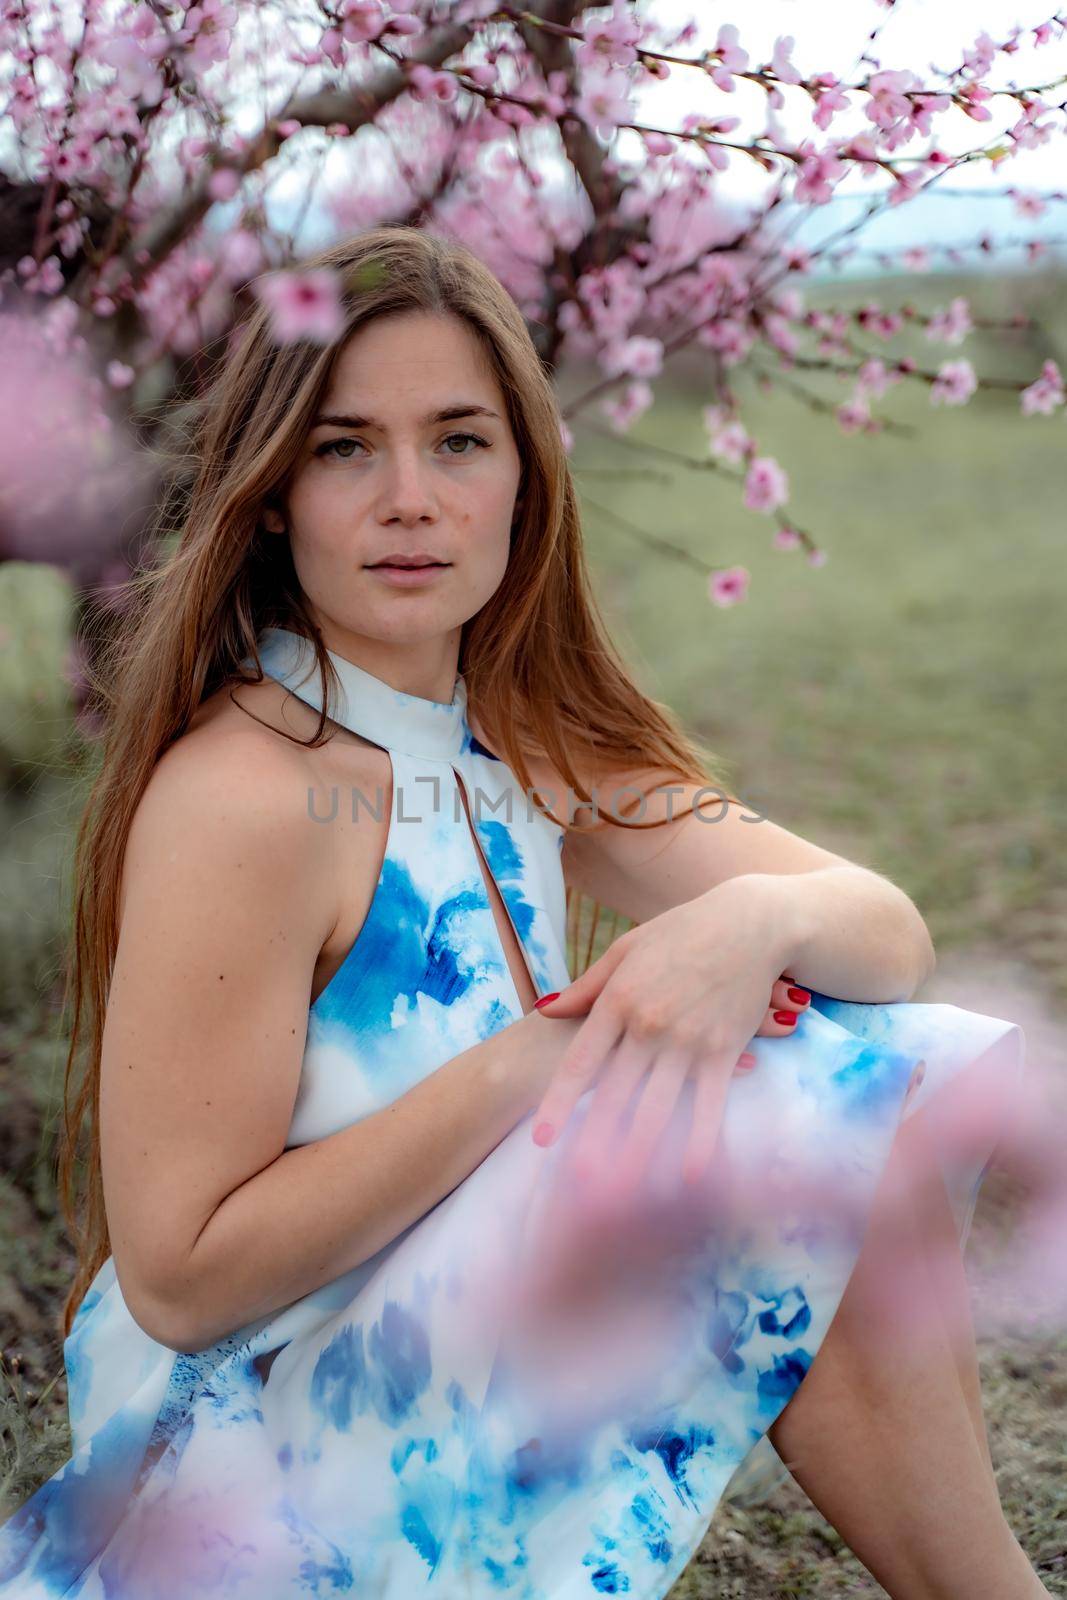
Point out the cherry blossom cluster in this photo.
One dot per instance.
(160, 147)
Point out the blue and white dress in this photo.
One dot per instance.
(406, 1427)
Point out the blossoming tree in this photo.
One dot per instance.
(162, 161)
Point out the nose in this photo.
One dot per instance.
(407, 494)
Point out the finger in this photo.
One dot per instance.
(578, 997)
(778, 1021)
(709, 1097)
(629, 1062)
(670, 1069)
(788, 996)
(579, 1065)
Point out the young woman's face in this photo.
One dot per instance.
(381, 477)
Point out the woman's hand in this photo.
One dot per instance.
(686, 990)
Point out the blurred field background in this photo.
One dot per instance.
(903, 704)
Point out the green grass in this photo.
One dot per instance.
(902, 704)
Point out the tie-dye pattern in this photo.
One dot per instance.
(378, 1438)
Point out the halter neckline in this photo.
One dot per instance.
(367, 705)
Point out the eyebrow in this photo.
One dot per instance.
(335, 419)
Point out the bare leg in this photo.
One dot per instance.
(885, 1432)
(942, 1260)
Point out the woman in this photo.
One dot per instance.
(372, 1295)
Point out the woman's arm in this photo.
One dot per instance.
(230, 895)
(839, 927)
(318, 1210)
(848, 932)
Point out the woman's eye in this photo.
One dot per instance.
(472, 438)
(331, 444)
(334, 445)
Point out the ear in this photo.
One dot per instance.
(273, 520)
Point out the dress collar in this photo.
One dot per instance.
(436, 729)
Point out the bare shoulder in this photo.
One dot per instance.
(244, 802)
(227, 785)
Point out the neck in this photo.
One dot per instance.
(426, 668)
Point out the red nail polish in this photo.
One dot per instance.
(545, 998)
(785, 1016)
(801, 996)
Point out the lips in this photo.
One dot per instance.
(407, 563)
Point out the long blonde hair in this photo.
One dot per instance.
(536, 659)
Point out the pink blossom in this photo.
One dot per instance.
(303, 305)
(430, 85)
(781, 64)
(731, 58)
(766, 485)
(635, 401)
(730, 443)
(120, 376)
(70, 480)
(829, 99)
(44, 279)
(730, 337)
(728, 585)
(361, 20)
(483, 73)
(873, 378)
(954, 384)
(873, 319)
(981, 58)
(640, 356)
(610, 43)
(208, 28)
(406, 25)
(1045, 393)
(785, 538)
(240, 254)
(605, 103)
(888, 103)
(818, 172)
(1029, 205)
(951, 325)
(192, 149)
(970, 98)
(1027, 132)
(853, 415)
(797, 257)
(224, 183)
(906, 184)
(137, 76)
